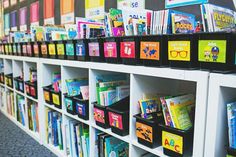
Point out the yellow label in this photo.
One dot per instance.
(179, 50)
(52, 49)
(172, 142)
(56, 99)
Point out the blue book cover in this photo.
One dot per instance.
(76, 142)
(231, 115)
(55, 132)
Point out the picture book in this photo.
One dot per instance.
(72, 31)
(73, 85)
(88, 29)
(182, 23)
(117, 22)
(148, 106)
(49, 29)
(107, 24)
(56, 81)
(58, 35)
(231, 116)
(38, 32)
(85, 92)
(216, 18)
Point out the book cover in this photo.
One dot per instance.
(182, 23)
(72, 31)
(148, 106)
(117, 22)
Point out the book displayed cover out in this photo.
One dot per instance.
(67, 11)
(34, 13)
(49, 11)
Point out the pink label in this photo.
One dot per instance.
(29, 49)
(34, 12)
(115, 120)
(99, 115)
(110, 49)
(24, 49)
(127, 49)
(94, 49)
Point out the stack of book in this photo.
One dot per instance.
(21, 110)
(33, 116)
(178, 111)
(107, 145)
(110, 91)
(77, 139)
(54, 128)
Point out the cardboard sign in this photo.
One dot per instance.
(127, 49)
(150, 50)
(172, 142)
(179, 50)
(212, 51)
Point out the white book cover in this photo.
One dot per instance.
(128, 22)
(72, 139)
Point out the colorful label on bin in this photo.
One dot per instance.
(44, 49)
(172, 142)
(14, 48)
(56, 99)
(70, 51)
(32, 91)
(69, 104)
(144, 132)
(36, 49)
(80, 109)
(10, 48)
(179, 50)
(29, 50)
(19, 48)
(127, 49)
(21, 87)
(52, 49)
(115, 120)
(110, 50)
(24, 50)
(60, 49)
(6, 48)
(99, 115)
(212, 51)
(94, 49)
(80, 49)
(27, 88)
(46, 95)
(150, 50)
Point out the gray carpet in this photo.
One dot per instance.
(14, 142)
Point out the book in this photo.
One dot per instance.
(117, 22)
(148, 106)
(182, 23)
(231, 117)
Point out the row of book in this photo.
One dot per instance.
(76, 86)
(10, 103)
(107, 145)
(33, 116)
(21, 109)
(111, 88)
(77, 139)
(54, 128)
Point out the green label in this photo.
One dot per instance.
(70, 49)
(60, 49)
(212, 51)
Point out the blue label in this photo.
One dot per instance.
(80, 109)
(80, 49)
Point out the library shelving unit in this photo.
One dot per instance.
(221, 92)
(141, 79)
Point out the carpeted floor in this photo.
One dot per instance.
(14, 142)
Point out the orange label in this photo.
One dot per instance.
(144, 132)
(150, 50)
(46, 96)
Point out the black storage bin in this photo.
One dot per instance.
(19, 49)
(129, 48)
(111, 47)
(231, 152)
(70, 104)
(100, 114)
(119, 117)
(9, 80)
(52, 53)
(47, 94)
(61, 50)
(95, 47)
(153, 50)
(24, 48)
(81, 48)
(148, 131)
(27, 88)
(19, 84)
(216, 51)
(14, 49)
(182, 51)
(56, 99)
(70, 49)
(2, 78)
(36, 48)
(82, 107)
(182, 140)
(29, 48)
(44, 50)
(16, 84)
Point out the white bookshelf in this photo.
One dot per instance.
(142, 79)
(222, 90)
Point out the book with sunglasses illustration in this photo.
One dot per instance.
(181, 54)
(179, 50)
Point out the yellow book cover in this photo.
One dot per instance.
(46, 122)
